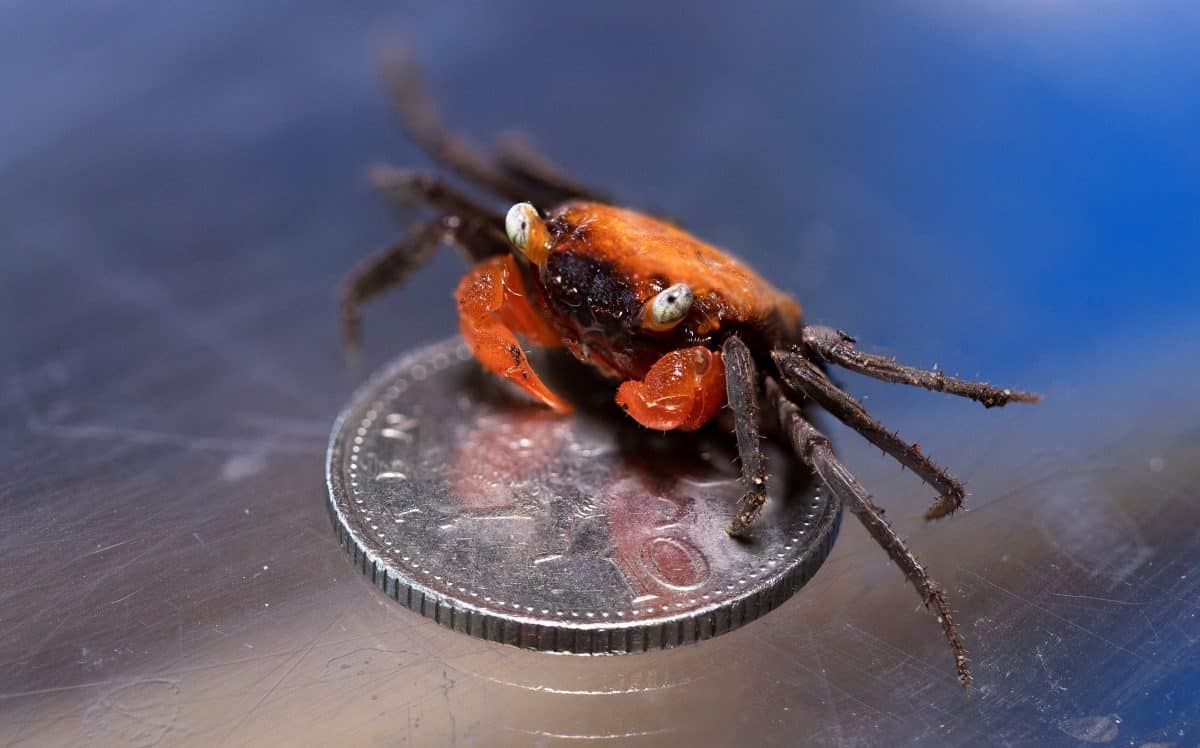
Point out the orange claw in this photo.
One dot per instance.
(492, 308)
(682, 390)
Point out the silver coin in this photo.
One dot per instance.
(583, 533)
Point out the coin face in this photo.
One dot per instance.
(583, 533)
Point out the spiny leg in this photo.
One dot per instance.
(476, 232)
(387, 269)
(393, 266)
(403, 187)
(837, 347)
(518, 171)
(805, 377)
(741, 388)
(813, 448)
(417, 109)
(521, 160)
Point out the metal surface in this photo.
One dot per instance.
(1001, 188)
(581, 534)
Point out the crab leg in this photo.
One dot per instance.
(837, 347)
(492, 308)
(518, 158)
(803, 376)
(516, 171)
(741, 387)
(814, 450)
(389, 268)
(683, 390)
(474, 238)
(402, 187)
(420, 116)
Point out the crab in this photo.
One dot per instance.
(688, 330)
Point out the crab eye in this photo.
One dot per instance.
(669, 306)
(527, 232)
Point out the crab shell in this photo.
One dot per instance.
(633, 296)
(606, 265)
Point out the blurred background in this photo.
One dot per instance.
(1005, 188)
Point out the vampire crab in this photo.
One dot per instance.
(686, 329)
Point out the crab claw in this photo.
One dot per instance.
(492, 308)
(683, 390)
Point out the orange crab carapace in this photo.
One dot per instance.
(635, 297)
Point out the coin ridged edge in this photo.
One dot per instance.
(563, 636)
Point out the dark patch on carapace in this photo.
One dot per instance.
(591, 292)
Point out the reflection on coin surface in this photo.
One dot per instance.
(583, 533)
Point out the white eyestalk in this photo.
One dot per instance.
(668, 307)
(527, 232)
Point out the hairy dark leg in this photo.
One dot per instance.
(805, 377)
(517, 173)
(520, 160)
(404, 187)
(477, 232)
(836, 347)
(741, 388)
(387, 269)
(813, 448)
(417, 109)
(393, 266)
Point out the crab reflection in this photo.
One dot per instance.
(594, 483)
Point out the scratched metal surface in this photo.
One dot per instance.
(1010, 189)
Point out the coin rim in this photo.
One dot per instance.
(658, 632)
